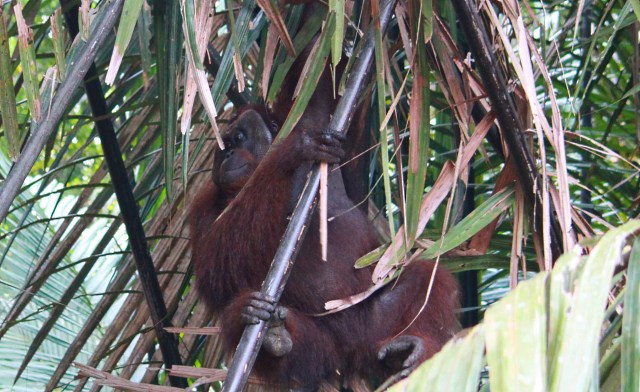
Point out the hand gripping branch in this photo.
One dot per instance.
(253, 335)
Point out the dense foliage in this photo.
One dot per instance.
(443, 176)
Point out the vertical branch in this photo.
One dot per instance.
(507, 116)
(128, 208)
(585, 108)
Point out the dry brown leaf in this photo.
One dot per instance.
(194, 330)
(239, 72)
(276, 19)
(518, 237)
(434, 197)
(269, 56)
(194, 372)
(25, 37)
(107, 379)
(204, 24)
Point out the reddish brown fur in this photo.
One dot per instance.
(232, 252)
(228, 270)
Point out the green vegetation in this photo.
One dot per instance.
(447, 177)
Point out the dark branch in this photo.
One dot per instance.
(507, 116)
(128, 208)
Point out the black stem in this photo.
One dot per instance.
(128, 207)
(507, 115)
(585, 114)
(253, 335)
(470, 301)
